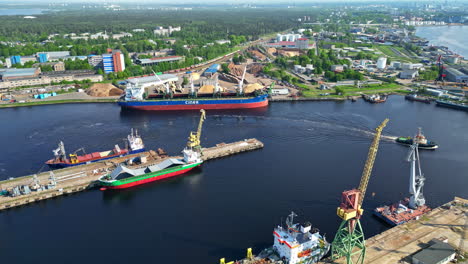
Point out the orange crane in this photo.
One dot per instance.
(350, 234)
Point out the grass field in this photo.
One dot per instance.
(352, 90)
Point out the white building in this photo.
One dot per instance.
(381, 63)
(287, 37)
(166, 31)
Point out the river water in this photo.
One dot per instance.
(313, 151)
(453, 37)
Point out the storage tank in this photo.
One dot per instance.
(381, 63)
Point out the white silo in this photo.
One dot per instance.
(381, 63)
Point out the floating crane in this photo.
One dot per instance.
(416, 179)
(194, 138)
(350, 234)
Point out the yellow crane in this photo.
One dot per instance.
(350, 234)
(194, 138)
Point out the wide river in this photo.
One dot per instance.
(453, 37)
(313, 151)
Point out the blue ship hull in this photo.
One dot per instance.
(195, 104)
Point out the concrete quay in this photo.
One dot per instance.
(396, 245)
(84, 177)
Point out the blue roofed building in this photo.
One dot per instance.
(211, 70)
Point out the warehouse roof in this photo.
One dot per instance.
(153, 79)
(13, 72)
(435, 253)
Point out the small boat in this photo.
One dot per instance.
(415, 97)
(134, 145)
(374, 98)
(420, 139)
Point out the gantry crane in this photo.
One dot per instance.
(194, 138)
(350, 234)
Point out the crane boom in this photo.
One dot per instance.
(366, 173)
(194, 138)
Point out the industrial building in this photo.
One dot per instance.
(337, 68)
(211, 70)
(438, 253)
(57, 66)
(43, 57)
(287, 37)
(300, 43)
(381, 63)
(95, 60)
(457, 75)
(157, 60)
(13, 73)
(409, 74)
(11, 78)
(113, 62)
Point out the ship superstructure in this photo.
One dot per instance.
(292, 244)
(299, 243)
(413, 207)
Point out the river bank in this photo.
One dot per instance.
(453, 37)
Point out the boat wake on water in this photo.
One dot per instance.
(322, 127)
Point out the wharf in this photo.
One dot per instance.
(397, 244)
(80, 178)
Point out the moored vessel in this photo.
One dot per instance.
(419, 139)
(410, 208)
(131, 174)
(292, 244)
(162, 92)
(447, 104)
(415, 97)
(134, 144)
(375, 98)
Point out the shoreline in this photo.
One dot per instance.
(52, 102)
(442, 43)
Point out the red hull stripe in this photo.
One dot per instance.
(200, 106)
(157, 178)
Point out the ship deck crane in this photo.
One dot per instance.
(241, 83)
(350, 234)
(194, 138)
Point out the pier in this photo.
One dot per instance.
(75, 179)
(396, 245)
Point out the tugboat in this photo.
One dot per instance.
(134, 145)
(415, 97)
(410, 208)
(293, 244)
(419, 139)
(375, 98)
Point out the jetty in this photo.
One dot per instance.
(447, 223)
(33, 188)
